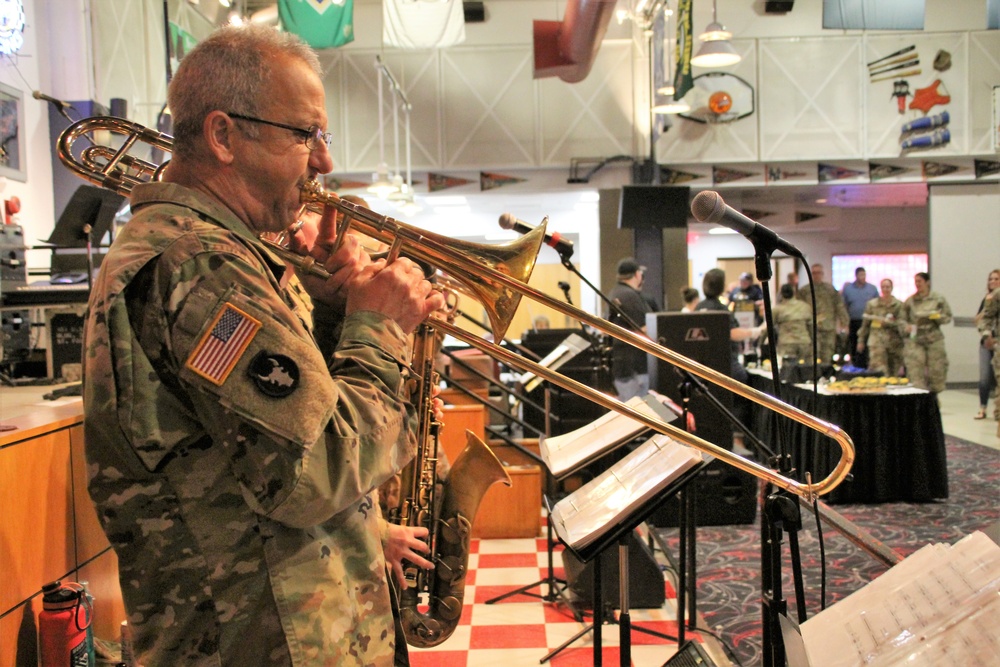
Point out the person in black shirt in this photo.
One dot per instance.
(628, 363)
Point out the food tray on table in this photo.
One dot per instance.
(866, 385)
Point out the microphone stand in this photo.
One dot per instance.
(564, 258)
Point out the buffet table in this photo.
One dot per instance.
(899, 442)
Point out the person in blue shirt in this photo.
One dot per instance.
(856, 295)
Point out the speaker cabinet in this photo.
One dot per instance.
(645, 579)
(724, 496)
(703, 337)
(778, 6)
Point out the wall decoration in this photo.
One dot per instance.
(937, 169)
(831, 172)
(879, 172)
(12, 158)
(438, 182)
(986, 168)
(669, 176)
(11, 26)
(719, 97)
(490, 181)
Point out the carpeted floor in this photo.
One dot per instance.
(729, 556)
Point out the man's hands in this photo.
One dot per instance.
(402, 542)
(397, 290)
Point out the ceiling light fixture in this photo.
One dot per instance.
(381, 185)
(667, 90)
(716, 50)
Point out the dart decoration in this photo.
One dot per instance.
(719, 97)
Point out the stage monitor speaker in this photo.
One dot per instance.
(646, 588)
(724, 496)
(654, 207)
(704, 337)
(691, 654)
(778, 6)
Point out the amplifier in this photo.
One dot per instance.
(13, 269)
(724, 496)
(646, 588)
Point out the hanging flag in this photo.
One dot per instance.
(334, 184)
(802, 217)
(724, 175)
(937, 169)
(986, 168)
(438, 182)
(877, 172)
(754, 214)
(830, 172)
(683, 81)
(321, 24)
(422, 24)
(776, 173)
(488, 181)
(670, 176)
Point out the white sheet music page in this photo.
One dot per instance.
(596, 507)
(564, 452)
(939, 606)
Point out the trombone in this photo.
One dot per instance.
(495, 275)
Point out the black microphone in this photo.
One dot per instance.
(554, 240)
(39, 95)
(709, 207)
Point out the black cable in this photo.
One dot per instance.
(822, 556)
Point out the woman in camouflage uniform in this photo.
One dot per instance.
(924, 313)
(880, 331)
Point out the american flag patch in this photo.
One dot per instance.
(223, 344)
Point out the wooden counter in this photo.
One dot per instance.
(48, 530)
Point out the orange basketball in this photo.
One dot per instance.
(720, 102)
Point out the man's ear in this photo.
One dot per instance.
(219, 131)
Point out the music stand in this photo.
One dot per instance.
(86, 219)
(608, 508)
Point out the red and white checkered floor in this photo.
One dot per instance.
(522, 629)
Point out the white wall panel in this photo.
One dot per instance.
(883, 120)
(593, 117)
(810, 98)
(984, 73)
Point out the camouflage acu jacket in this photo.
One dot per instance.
(928, 313)
(830, 308)
(231, 464)
(883, 323)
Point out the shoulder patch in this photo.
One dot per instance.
(276, 375)
(223, 344)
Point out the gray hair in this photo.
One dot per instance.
(230, 71)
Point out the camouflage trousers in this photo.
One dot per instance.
(826, 345)
(887, 358)
(996, 374)
(798, 351)
(926, 364)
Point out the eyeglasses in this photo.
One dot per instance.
(313, 136)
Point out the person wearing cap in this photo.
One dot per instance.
(628, 363)
(748, 292)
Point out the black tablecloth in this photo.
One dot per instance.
(900, 453)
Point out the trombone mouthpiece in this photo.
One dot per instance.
(708, 206)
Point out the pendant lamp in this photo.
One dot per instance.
(670, 105)
(716, 49)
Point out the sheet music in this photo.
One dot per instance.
(571, 346)
(596, 507)
(565, 452)
(941, 603)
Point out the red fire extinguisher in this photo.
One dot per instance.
(62, 625)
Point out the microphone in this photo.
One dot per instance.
(39, 95)
(554, 240)
(709, 207)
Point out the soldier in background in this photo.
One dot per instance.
(831, 315)
(924, 312)
(792, 319)
(989, 330)
(881, 331)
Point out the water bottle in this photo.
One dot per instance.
(62, 626)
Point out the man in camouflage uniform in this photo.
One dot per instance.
(924, 312)
(831, 314)
(989, 332)
(231, 461)
(792, 319)
(880, 331)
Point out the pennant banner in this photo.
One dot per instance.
(670, 176)
(335, 184)
(776, 173)
(937, 169)
(683, 80)
(419, 24)
(724, 175)
(877, 172)
(438, 182)
(829, 172)
(488, 181)
(803, 217)
(321, 24)
(754, 214)
(986, 168)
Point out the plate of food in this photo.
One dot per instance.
(866, 385)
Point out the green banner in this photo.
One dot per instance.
(321, 24)
(181, 41)
(683, 81)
